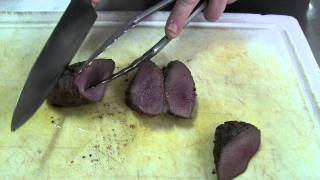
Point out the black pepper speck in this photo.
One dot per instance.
(132, 126)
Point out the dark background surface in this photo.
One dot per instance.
(307, 12)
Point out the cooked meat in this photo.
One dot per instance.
(145, 93)
(179, 89)
(71, 89)
(235, 144)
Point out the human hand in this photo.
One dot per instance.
(183, 8)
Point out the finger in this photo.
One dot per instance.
(178, 17)
(95, 2)
(215, 9)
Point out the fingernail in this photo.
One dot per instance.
(173, 28)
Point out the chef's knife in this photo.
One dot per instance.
(59, 50)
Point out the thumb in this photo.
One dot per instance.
(178, 17)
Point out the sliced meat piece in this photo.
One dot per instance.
(145, 93)
(179, 89)
(235, 144)
(71, 89)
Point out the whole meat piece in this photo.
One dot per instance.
(179, 89)
(235, 144)
(145, 93)
(72, 87)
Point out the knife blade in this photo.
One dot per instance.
(57, 53)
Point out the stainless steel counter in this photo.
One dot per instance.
(306, 11)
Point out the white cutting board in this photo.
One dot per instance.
(253, 68)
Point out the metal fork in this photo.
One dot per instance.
(153, 51)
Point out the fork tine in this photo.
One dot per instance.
(154, 50)
(124, 28)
